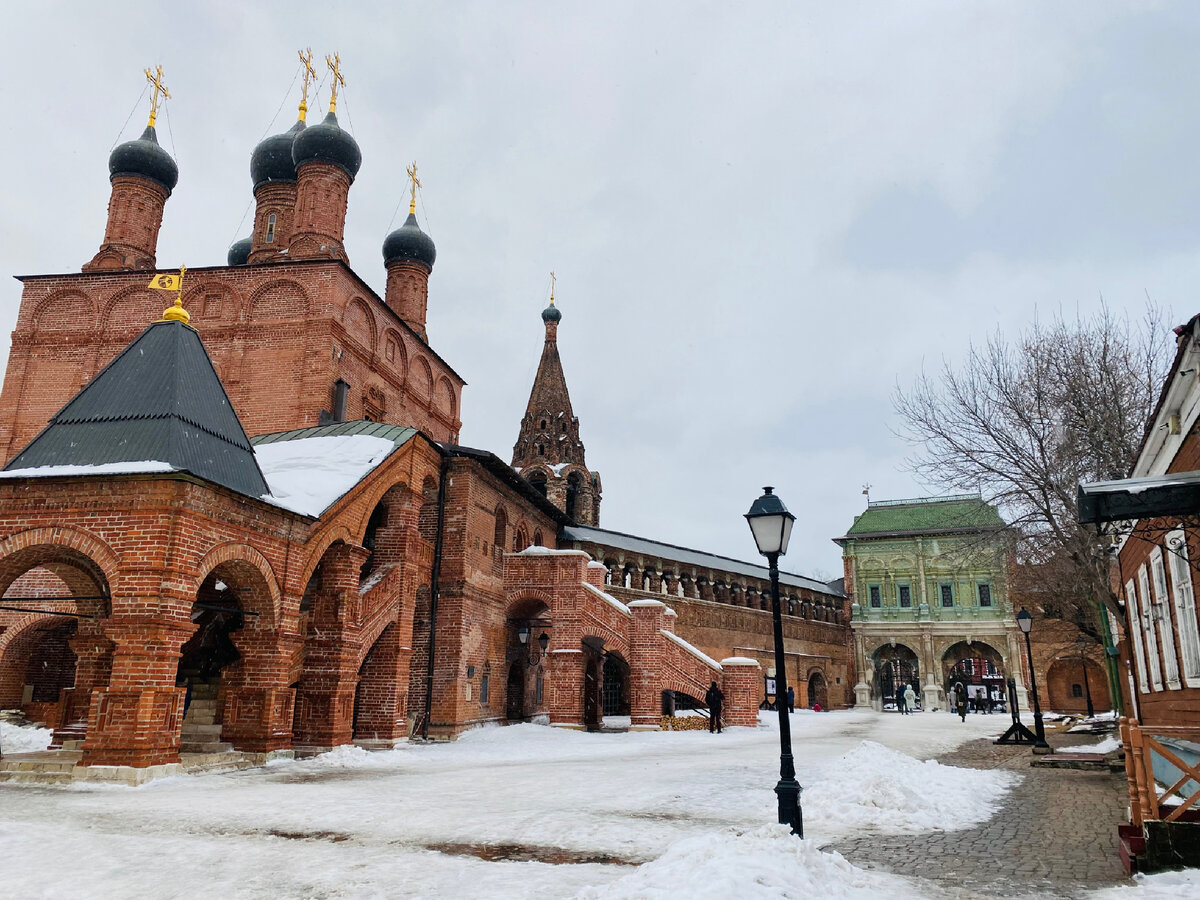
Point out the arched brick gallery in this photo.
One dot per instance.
(1066, 690)
(525, 675)
(51, 664)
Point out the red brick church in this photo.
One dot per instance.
(245, 525)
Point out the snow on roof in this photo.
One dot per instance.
(307, 475)
(141, 467)
(739, 661)
(703, 657)
(645, 547)
(549, 551)
(608, 598)
(558, 467)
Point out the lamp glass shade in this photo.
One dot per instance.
(770, 523)
(1025, 620)
(523, 634)
(543, 641)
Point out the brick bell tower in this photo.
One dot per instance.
(549, 452)
(143, 175)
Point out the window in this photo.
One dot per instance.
(905, 596)
(1131, 603)
(946, 592)
(985, 594)
(537, 539)
(1077, 690)
(1185, 606)
(541, 690)
(876, 596)
(542, 425)
(270, 238)
(483, 689)
(1162, 619)
(1146, 627)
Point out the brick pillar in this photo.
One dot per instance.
(322, 190)
(135, 211)
(382, 694)
(93, 662)
(741, 681)
(407, 292)
(278, 199)
(646, 664)
(135, 721)
(595, 575)
(259, 705)
(566, 688)
(654, 580)
(331, 653)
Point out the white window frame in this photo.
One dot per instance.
(1162, 619)
(1135, 636)
(1145, 625)
(1184, 595)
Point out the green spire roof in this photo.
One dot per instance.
(926, 515)
(158, 401)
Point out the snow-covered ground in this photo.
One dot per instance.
(511, 812)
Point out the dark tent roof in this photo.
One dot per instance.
(160, 399)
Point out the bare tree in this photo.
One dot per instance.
(1025, 420)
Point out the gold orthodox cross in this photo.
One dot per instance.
(335, 66)
(309, 74)
(553, 282)
(155, 78)
(416, 183)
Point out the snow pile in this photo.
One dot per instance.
(873, 786)
(307, 475)
(1108, 745)
(766, 862)
(23, 738)
(141, 467)
(1165, 885)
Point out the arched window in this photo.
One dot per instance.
(538, 480)
(520, 540)
(542, 425)
(537, 539)
(270, 238)
(574, 482)
(541, 448)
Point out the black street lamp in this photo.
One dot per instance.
(1081, 645)
(1025, 623)
(771, 525)
(543, 641)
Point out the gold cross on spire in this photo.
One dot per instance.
(309, 74)
(416, 183)
(335, 65)
(155, 78)
(553, 282)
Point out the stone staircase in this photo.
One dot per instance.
(201, 733)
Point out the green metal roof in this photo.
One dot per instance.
(397, 434)
(926, 515)
(159, 400)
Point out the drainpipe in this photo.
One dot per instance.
(434, 578)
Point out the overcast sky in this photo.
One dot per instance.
(763, 216)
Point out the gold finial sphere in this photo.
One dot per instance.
(176, 313)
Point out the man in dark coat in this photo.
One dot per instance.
(791, 699)
(960, 699)
(714, 697)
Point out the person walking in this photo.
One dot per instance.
(791, 699)
(910, 699)
(714, 697)
(960, 698)
(899, 700)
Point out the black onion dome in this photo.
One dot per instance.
(272, 158)
(144, 158)
(551, 314)
(239, 252)
(409, 243)
(327, 143)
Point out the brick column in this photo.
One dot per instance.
(741, 681)
(258, 709)
(331, 652)
(383, 693)
(566, 688)
(135, 721)
(645, 664)
(93, 661)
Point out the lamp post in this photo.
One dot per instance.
(771, 525)
(1080, 645)
(543, 641)
(1025, 623)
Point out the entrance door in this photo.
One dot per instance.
(816, 691)
(515, 703)
(591, 695)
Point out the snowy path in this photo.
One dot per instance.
(352, 824)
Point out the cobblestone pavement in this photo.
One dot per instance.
(1056, 835)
